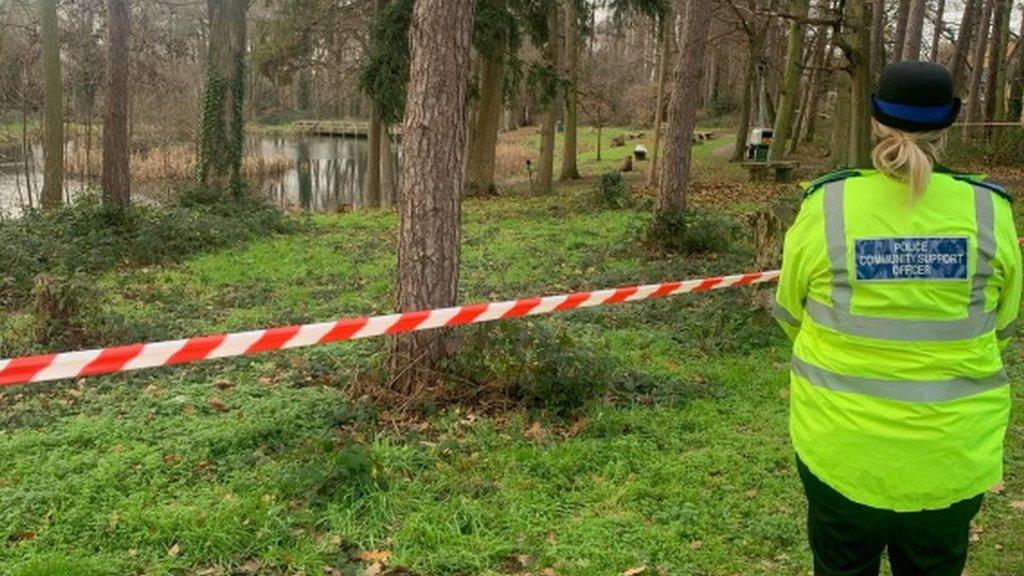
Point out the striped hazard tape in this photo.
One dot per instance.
(139, 356)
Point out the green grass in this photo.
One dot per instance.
(271, 462)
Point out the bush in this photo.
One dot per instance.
(1005, 148)
(533, 363)
(725, 103)
(613, 191)
(86, 237)
(692, 233)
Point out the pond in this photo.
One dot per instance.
(323, 174)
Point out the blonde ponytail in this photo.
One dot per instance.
(907, 156)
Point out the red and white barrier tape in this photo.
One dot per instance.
(138, 356)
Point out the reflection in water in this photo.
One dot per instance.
(327, 176)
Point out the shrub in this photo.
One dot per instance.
(612, 191)
(1005, 147)
(692, 233)
(534, 363)
(86, 237)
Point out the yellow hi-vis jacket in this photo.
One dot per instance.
(898, 311)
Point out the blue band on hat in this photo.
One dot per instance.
(924, 114)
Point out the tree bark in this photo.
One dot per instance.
(746, 107)
(940, 13)
(878, 38)
(856, 43)
(570, 171)
(546, 170)
(483, 135)
(840, 152)
(682, 112)
(996, 55)
(53, 108)
(388, 186)
(371, 182)
(116, 179)
(666, 44)
(978, 66)
(434, 144)
(962, 50)
(902, 17)
(915, 29)
(1016, 102)
(791, 81)
(223, 124)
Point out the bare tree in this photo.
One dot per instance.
(665, 54)
(116, 180)
(434, 144)
(940, 13)
(571, 59)
(682, 111)
(914, 31)
(962, 48)
(791, 82)
(546, 170)
(53, 108)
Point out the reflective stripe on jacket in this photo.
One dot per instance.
(898, 311)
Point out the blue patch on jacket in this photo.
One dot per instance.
(911, 258)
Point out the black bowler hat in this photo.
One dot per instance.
(915, 97)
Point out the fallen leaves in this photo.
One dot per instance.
(371, 556)
(217, 404)
(174, 551)
(1017, 505)
(635, 571)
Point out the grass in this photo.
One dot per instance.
(270, 465)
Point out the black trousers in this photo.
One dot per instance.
(848, 538)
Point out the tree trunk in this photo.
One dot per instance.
(978, 66)
(861, 84)
(1016, 103)
(483, 135)
(546, 170)
(915, 29)
(570, 171)
(750, 80)
(371, 182)
(791, 81)
(116, 179)
(664, 67)
(940, 13)
(996, 55)
(388, 186)
(878, 38)
(434, 144)
(222, 129)
(823, 49)
(682, 112)
(53, 108)
(962, 50)
(995, 98)
(840, 152)
(902, 17)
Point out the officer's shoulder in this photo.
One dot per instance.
(978, 180)
(837, 176)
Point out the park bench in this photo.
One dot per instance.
(781, 171)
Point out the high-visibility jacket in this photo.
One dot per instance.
(898, 311)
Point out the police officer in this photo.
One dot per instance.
(900, 285)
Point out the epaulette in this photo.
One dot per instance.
(828, 179)
(975, 180)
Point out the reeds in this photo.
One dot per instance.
(173, 163)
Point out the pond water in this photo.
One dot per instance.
(327, 174)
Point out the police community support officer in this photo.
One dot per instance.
(899, 287)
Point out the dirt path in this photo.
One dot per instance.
(724, 151)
